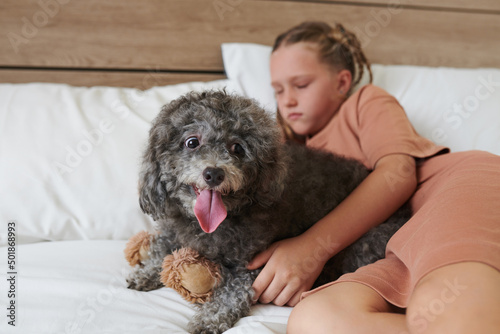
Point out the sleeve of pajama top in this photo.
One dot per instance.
(370, 125)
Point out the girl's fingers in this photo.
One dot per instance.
(287, 295)
(295, 299)
(261, 259)
(282, 293)
(273, 290)
(261, 283)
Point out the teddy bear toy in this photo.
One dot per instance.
(185, 270)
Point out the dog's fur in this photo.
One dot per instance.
(271, 191)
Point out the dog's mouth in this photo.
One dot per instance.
(209, 209)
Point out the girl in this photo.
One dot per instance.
(441, 271)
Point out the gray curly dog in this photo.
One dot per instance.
(218, 179)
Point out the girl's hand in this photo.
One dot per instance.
(291, 267)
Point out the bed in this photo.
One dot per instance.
(80, 82)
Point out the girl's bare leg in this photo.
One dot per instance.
(457, 298)
(346, 308)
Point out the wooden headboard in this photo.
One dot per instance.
(142, 43)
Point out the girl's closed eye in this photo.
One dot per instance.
(303, 83)
(277, 89)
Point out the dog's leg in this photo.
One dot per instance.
(146, 276)
(231, 301)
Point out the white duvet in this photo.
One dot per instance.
(79, 287)
(69, 163)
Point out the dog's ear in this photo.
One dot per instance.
(153, 179)
(152, 194)
(152, 191)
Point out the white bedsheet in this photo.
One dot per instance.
(79, 287)
(73, 213)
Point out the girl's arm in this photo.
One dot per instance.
(292, 265)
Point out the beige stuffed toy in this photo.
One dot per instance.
(185, 270)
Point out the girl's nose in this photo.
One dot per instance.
(290, 99)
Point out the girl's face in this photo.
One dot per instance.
(308, 92)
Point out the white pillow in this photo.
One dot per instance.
(247, 66)
(70, 158)
(458, 108)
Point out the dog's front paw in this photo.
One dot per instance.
(207, 326)
(219, 314)
(212, 317)
(143, 282)
(143, 286)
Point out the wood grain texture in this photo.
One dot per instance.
(185, 35)
(463, 5)
(140, 80)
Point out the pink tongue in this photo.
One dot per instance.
(209, 210)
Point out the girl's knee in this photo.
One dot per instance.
(449, 299)
(316, 314)
(335, 309)
(302, 316)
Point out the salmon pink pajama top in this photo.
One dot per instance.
(456, 206)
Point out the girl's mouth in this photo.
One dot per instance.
(294, 116)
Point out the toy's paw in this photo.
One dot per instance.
(190, 274)
(136, 251)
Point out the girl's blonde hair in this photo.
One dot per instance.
(337, 47)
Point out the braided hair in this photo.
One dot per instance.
(337, 47)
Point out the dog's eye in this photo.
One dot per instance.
(237, 149)
(192, 142)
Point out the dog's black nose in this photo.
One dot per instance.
(213, 176)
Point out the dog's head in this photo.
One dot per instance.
(211, 154)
